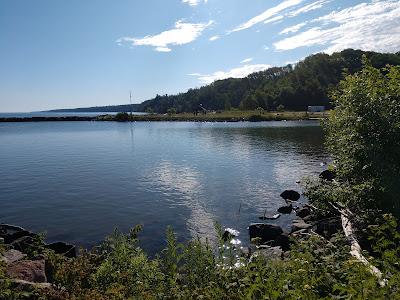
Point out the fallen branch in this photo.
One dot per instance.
(356, 251)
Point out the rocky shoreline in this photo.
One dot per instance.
(26, 255)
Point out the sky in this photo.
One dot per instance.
(75, 53)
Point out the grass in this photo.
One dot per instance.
(231, 116)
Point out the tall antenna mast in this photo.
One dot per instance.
(130, 101)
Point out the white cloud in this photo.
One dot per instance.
(239, 72)
(266, 47)
(214, 38)
(193, 2)
(268, 14)
(183, 33)
(309, 7)
(368, 26)
(293, 29)
(247, 60)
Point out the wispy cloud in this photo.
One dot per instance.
(269, 13)
(183, 33)
(246, 60)
(214, 38)
(293, 29)
(194, 2)
(239, 72)
(312, 6)
(369, 26)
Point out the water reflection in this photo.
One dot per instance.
(79, 180)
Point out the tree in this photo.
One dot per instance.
(363, 134)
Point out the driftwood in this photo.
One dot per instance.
(356, 251)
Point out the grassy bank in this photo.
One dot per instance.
(226, 116)
(223, 116)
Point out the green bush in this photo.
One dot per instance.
(363, 134)
(122, 117)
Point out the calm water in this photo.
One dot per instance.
(80, 180)
(58, 114)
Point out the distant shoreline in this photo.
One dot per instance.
(227, 116)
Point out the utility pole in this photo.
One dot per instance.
(130, 101)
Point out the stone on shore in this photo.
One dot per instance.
(28, 270)
(265, 232)
(303, 212)
(290, 195)
(327, 175)
(11, 256)
(299, 225)
(287, 209)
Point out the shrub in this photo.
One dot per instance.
(122, 117)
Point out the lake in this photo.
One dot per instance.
(79, 180)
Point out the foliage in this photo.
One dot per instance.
(119, 269)
(363, 135)
(122, 117)
(294, 87)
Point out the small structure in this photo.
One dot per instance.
(316, 108)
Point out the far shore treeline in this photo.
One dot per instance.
(291, 87)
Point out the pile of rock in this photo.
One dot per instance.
(271, 237)
(25, 269)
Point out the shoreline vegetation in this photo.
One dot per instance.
(345, 243)
(216, 116)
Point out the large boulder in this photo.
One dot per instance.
(11, 256)
(290, 195)
(63, 248)
(28, 270)
(264, 232)
(327, 175)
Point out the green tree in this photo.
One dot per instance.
(363, 134)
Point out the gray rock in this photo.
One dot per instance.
(12, 255)
(267, 252)
(303, 212)
(28, 270)
(265, 232)
(299, 225)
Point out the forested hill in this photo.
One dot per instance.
(293, 87)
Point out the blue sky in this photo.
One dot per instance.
(75, 53)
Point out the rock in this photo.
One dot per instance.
(287, 209)
(274, 217)
(11, 256)
(303, 212)
(290, 195)
(23, 243)
(327, 175)
(28, 270)
(6, 229)
(267, 252)
(308, 218)
(66, 249)
(11, 237)
(245, 252)
(299, 225)
(265, 232)
(282, 241)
